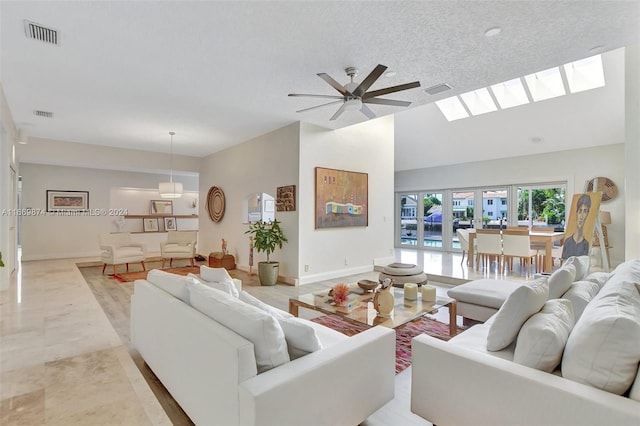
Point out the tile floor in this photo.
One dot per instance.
(61, 361)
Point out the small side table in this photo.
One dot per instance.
(219, 260)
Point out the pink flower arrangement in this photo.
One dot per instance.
(340, 293)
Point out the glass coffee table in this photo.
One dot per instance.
(363, 312)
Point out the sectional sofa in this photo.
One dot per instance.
(537, 361)
(229, 359)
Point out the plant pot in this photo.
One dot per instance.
(268, 272)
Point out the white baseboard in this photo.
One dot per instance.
(307, 279)
(383, 261)
(58, 255)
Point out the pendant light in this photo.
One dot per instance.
(170, 189)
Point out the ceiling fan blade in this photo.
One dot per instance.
(320, 106)
(371, 78)
(339, 87)
(316, 96)
(386, 102)
(338, 112)
(367, 111)
(392, 89)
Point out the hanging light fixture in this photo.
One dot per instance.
(170, 189)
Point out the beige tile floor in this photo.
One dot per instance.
(62, 363)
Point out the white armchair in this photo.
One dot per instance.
(118, 249)
(179, 245)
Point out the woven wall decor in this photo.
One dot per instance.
(606, 186)
(215, 204)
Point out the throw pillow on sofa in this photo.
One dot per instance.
(218, 275)
(227, 287)
(598, 277)
(176, 285)
(525, 301)
(581, 264)
(603, 349)
(255, 325)
(301, 338)
(560, 280)
(580, 294)
(542, 337)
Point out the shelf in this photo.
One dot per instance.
(145, 216)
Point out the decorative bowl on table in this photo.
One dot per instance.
(368, 285)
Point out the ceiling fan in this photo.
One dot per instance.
(354, 96)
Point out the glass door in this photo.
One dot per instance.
(462, 208)
(495, 208)
(433, 219)
(408, 229)
(541, 206)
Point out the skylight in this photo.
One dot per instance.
(581, 75)
(479, 101)
(452, 108)
(510, 93)
(545, 84)
(585, 74)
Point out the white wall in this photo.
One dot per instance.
(632, 151)
(55, 236)
(575, 167)
(367, 148)
(8, 247)
(258, 165)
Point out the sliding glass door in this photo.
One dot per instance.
(433, 219)
(542, 206)
(408, 230)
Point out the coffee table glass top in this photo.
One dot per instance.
(363, 310)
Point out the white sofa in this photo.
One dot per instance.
(211, 370)
(460, 382)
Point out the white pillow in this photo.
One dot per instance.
(226, 286)
(560, 280)
(582, 266)
(580, 294)
(277, 313)
(253, 324)
(542, 337)
(603, 349)
(525, 301)
(599, 278)
(301, 338)
(218, 275)
(176, 285)
(635, 389)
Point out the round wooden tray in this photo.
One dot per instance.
(215, 204)
(368, 285)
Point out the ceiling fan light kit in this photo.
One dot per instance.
(354, 96)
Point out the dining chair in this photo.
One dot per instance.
(515, 243)
(489, 247)
(463, 238)
(556, 250)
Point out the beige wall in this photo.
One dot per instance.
(8, 245)
(632, 152)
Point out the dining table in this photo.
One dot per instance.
(547, 238)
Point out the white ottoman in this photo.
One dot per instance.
(480, 299)
(401, 273)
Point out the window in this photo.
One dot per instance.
(489, 202)
(489, 213)
(503, 201)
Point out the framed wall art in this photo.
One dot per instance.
(59, 201)
(170, 224)
(161, 207)
(341, 198)
(150, 224)
(286, 198)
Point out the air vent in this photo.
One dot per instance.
(43, 114)
(438, 88)
(40, 33)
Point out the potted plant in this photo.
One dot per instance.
(266, 237)
(1, 262)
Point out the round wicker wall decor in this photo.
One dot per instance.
(606, 186)
(215, 204)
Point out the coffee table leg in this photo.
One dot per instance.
(293, 308)
(453, 313)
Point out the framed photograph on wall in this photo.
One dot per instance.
(64, 201)
(161, 207)
(170, 224)
(286, 198)
(342, 198)
(150, 224)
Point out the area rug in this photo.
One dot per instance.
(141, 275)
(404, 334)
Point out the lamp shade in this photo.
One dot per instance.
(605, 217)
(170, 189)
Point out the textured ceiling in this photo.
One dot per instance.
(218, 73)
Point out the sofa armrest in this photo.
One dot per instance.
(341, 384)
(108, 249)
(451, 384)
